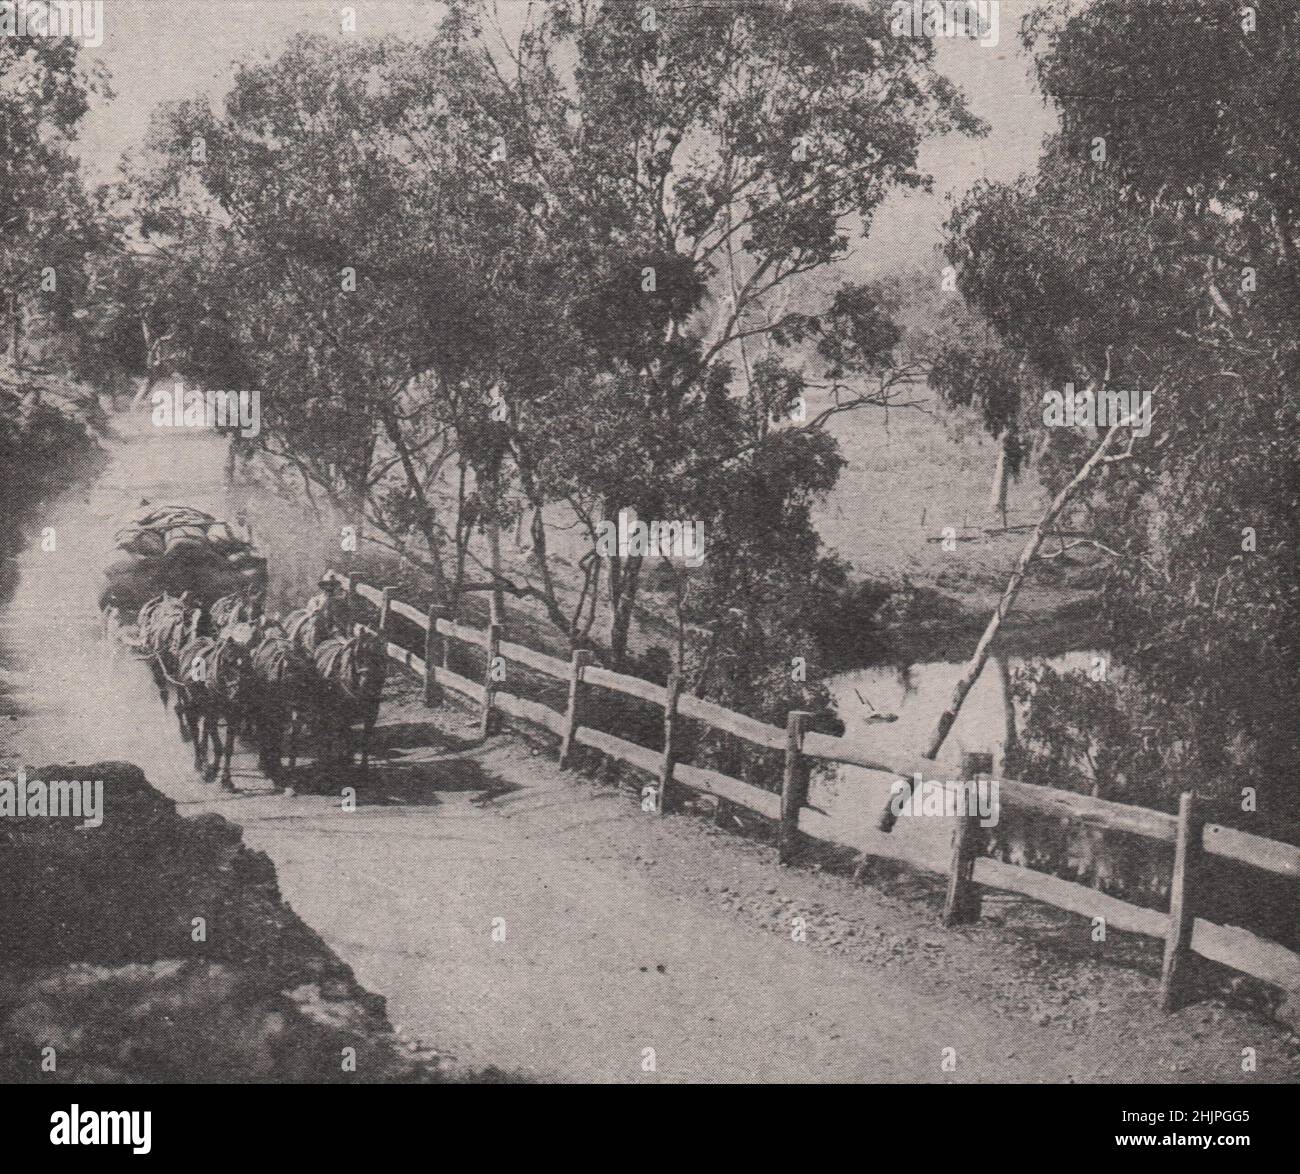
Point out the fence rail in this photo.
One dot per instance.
(1181, 930)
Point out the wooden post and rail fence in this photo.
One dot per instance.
(1192, 838)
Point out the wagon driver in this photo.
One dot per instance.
(331, 602)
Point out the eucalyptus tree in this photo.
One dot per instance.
(47, 221)
(556, 269)
(48, 229)
(687, 166)
(353, 269)
(1158, 249)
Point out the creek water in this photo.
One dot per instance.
(914, 696)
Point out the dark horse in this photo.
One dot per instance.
(165, 624)
(350, 675)
(217, 684)
(283, 682)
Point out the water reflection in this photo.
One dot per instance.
(894, 709)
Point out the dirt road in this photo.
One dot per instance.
(514, 915)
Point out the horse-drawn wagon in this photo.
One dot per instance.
(187, 598)
(178, 549)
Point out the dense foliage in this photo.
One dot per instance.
(1157, 249)
(543, 281)
(49, 233)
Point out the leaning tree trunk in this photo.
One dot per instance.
(981, 654)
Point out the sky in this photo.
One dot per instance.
(161, 50)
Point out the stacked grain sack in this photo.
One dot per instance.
(177, 549)
(176, 530)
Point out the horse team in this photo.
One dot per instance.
(230, 669)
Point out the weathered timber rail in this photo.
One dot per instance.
(1193, 839)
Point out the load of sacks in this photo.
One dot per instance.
(178, 548)
(177, 531)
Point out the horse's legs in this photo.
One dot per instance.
(328, 732)
(347, 736)
(325, 727)
(271, 736)
(343, 718)
(160, 682)
(261, 722)
(211, 742)
(275, 741)
(194, 719)
(199, 726)
(232, 722)
(180, 718)
(215, 728)
(208, 736)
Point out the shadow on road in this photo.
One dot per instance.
(415, 782)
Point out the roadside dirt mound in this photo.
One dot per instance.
(158, 948)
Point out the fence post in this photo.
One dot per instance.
(581, 658)
(450, 616)
(794, 785)
(963, 900)
(1182, 897)
(384, 606)
(432, 690)
(486, 723)
(670, 720)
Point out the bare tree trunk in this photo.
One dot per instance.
(1001, 476)
(150, 366)
(624, 601)
(425, 510)
(496, 606)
